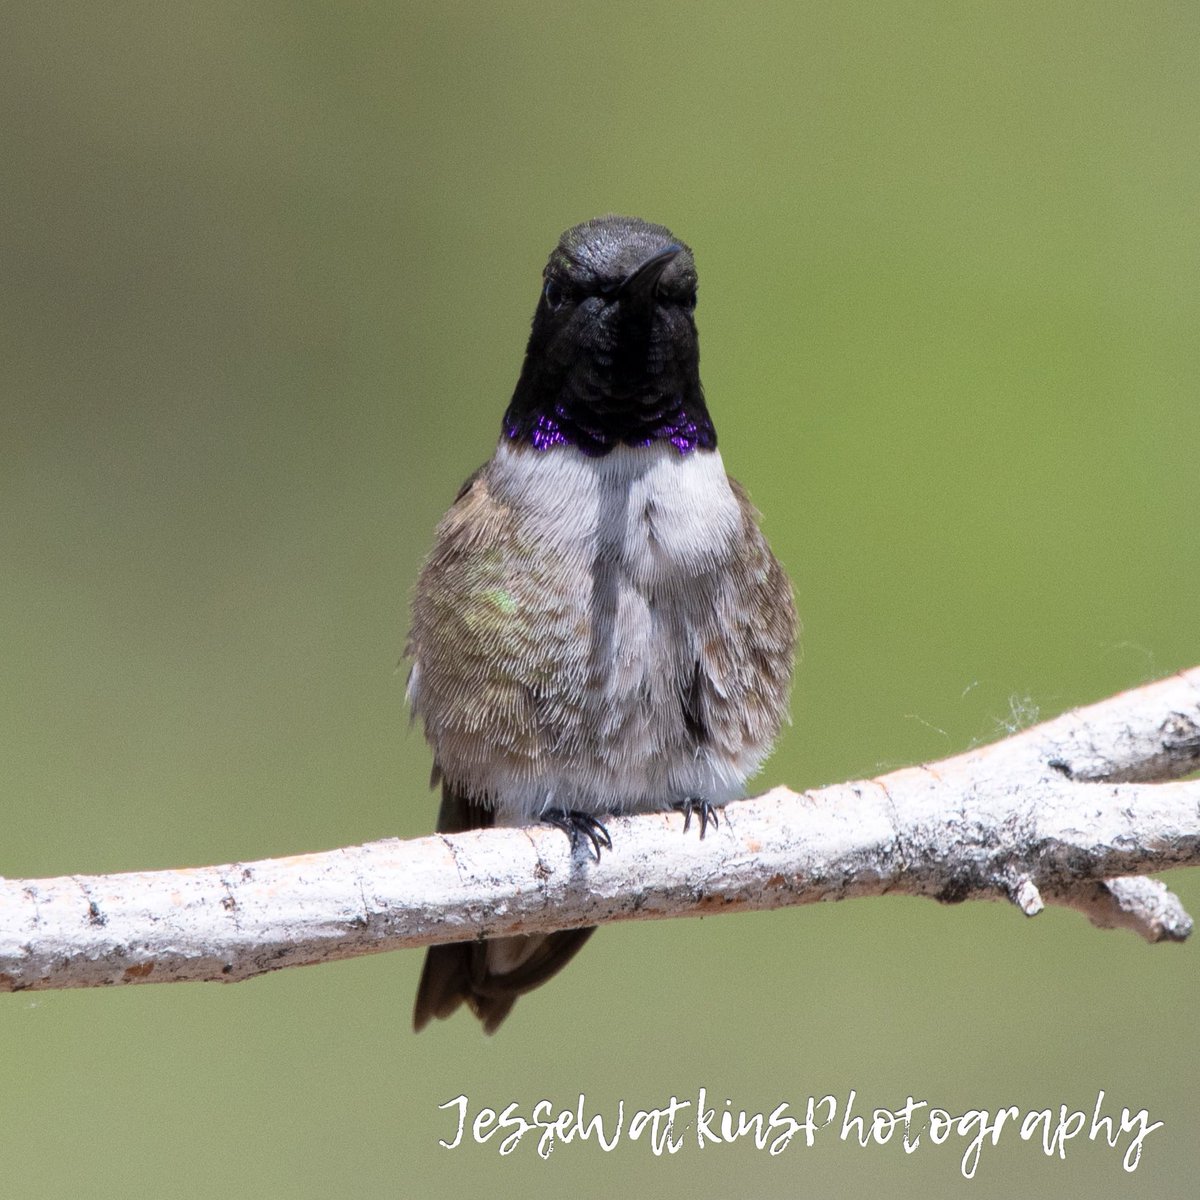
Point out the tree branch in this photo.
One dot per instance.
(1062, 813)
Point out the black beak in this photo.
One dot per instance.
(638, 288)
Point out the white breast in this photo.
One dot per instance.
(657, 513)
(647, 531)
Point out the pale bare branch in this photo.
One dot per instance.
(1062, 813)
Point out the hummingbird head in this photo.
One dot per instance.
(613, 357)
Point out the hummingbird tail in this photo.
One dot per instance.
(488, 976)
(460, 972)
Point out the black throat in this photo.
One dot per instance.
(632, 395)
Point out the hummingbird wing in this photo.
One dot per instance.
(488, 631)
(739, 693)
(496, 647)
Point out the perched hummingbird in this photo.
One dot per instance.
(600, 627)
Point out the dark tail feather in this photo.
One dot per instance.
(458, 973)
(487, 976)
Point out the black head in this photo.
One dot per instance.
(613, 358)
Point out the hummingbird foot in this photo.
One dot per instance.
(578, 826)
(702, 809)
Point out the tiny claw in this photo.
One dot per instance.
(703, 809)
(579, 825)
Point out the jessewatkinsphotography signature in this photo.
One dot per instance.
(705, 1123)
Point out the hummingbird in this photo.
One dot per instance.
(601, 627)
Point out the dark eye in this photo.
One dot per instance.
(554, 294)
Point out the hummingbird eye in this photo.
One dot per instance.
(554, 294)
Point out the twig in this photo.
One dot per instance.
(1062, 813)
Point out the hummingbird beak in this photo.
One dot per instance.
(639, 287)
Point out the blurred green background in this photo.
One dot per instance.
(266, 277)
